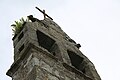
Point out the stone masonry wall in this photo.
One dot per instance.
(40, 66)
(43, 51)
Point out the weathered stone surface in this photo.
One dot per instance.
(45, 55)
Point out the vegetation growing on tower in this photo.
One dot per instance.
(18, 25)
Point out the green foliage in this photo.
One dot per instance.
(18, 25)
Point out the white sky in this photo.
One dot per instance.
(95, 24)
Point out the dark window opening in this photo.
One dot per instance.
(21, 48)
(76, 60)
(83, 70)
(54, 53)
(20, 36)
(54, 49)
(45, 41)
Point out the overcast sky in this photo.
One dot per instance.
(95, 24)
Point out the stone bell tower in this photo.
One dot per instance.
(43, 51)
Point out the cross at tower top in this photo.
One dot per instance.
(44, 14)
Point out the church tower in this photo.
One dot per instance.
(43, 51)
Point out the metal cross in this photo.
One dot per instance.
(44, 14)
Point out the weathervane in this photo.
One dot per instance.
(44, 14)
